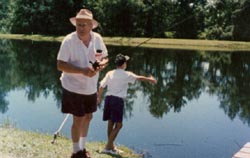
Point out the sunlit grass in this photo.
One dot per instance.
(31, 37)
(15, 143)
(185, 44)
(208, 45)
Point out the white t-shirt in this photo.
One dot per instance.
(117, 82)
(73, 51)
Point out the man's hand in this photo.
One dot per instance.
(99, 65)
(90, 72)
(103, 63)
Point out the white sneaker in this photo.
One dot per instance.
(105, 151)
(118, 150)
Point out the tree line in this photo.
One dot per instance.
(189, 19)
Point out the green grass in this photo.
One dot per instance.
(15, 143)
(187, 44)
(31, 37)
(208, 45)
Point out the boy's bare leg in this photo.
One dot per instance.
(110, 127)
(113, 134)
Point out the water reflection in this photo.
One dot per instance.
(229, 78)
(30, 66)
(182, 76)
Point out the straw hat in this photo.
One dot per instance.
(84, 14)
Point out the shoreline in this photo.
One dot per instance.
(162, 43)
(16, 143)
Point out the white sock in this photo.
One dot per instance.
(82, 142)
(76, 147)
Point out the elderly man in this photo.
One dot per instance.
(79, 79)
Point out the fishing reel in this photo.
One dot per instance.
(96, 64)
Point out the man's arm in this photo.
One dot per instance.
(69, 68)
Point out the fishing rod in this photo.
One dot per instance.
(56, 134)
(96, 65)
(148, 39)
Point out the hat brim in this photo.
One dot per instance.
(127, 57)
(94, 22)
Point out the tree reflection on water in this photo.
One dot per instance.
(182, 76)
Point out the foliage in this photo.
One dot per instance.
(184, 19)
(42, 17)
(190, 19)
(131, 18)
(4, 10)
(241, 21)
(218, 19)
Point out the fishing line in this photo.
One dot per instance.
(148, 39)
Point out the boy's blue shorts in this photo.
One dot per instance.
(113, 109)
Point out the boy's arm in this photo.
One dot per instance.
(150, 79)
(99, 96)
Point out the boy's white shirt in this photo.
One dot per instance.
(72, 50)
(117, 82)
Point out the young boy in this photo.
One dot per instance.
(117, 81)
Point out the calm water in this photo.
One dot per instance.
(200, 107)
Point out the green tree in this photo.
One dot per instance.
(184, 22)
(241, 21)
(141, 18)
(131, 18)
(156, 14)
(62, 10)
(119, 17)
(4, 10)
(42, 17)
(218, 19)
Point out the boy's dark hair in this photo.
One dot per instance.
(121, 59)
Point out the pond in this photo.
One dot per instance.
(199, 108)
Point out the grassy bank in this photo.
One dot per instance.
(208, 45)
(15, 143)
